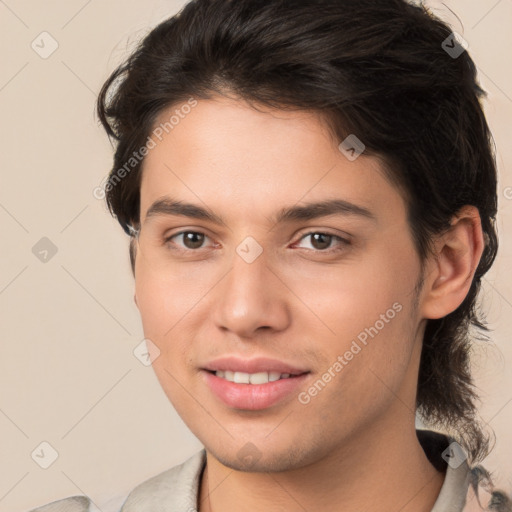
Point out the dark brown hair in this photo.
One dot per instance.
(379, 69)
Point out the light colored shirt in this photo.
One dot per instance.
(176, 489)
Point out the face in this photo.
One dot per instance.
(325, 294)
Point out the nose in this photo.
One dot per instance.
(251, 297)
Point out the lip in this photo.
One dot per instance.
(253, 397)
(255, 365)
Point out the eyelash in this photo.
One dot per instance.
(342, 241)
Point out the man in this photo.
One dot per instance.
(310, 192)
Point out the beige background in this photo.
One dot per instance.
(69, 326)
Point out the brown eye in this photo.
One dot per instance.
(191, 239)
(323, 242)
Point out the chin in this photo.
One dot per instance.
(251, 459)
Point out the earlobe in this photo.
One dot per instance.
(458, 252)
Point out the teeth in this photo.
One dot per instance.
(259, 378)
(251, 378)
(241, 378)
(273, 376)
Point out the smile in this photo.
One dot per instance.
(251, 378)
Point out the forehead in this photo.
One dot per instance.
(246, 163)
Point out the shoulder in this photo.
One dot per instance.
(82, 504)
(72, 504)
(465, 487)
(175, 489)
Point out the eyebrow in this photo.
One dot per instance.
(309, 211)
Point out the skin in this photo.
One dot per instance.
(353, 447)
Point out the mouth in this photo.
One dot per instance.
(257, 378)
(233, 365)
(253, 384)
(253, 391)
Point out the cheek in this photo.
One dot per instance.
(367, 320)
(165, 299)
(349, 298)
(163, 307)
(172, 308)
(155, 305)
(161, 310)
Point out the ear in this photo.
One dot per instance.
(135, 299)
(450, 273)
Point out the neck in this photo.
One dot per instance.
(379, 470)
